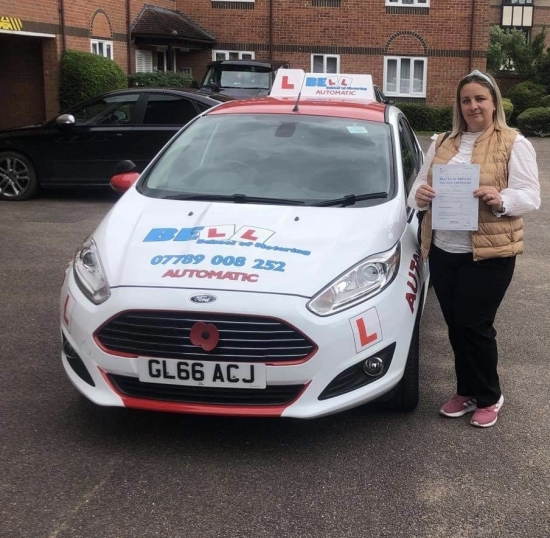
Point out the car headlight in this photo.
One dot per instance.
(89, 274)
(362, 281)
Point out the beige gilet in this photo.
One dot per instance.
(496, 237)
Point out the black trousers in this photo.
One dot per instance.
(469, 294)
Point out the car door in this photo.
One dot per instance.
(86, 152)
(162, 116)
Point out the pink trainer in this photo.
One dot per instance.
(487, 416)
(458, 406)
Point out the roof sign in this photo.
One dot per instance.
(291, 82)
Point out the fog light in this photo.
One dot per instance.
(76, 363)
(69, 350)
(373, 366)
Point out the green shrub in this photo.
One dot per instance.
(508, 108)
(545, 101)
(421, 117)
(535, 122)
(444, 119)
(85, 75)
(525, 95)
(160, 79)
(424, 117)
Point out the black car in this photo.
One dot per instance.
(240, 79)
(83, 145)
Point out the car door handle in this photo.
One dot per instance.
(115, 135)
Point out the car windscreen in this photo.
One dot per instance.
(307, 158)
(239, 76)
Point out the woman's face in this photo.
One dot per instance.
(477, 106)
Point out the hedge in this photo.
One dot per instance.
(508, 108)
(535, 122)
(545, 101)
(427, 118)
(85, 75)
(525, 95)
(160, 79)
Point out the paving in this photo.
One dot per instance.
(73, 470)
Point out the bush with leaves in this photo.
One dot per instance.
(160, 79)
(545, 101)
(421, 117)
(525, 95)
(535, 122)
(508, 108)
(424, 117)
(85, 75)
(543, 70)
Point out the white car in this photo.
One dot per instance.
(264, 264)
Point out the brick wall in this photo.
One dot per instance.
(362, 32)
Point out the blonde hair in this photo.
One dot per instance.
(499, 118)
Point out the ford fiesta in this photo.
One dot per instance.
(264, 264)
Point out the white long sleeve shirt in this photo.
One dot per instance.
(521, 196)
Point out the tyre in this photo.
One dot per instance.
(406, 395)
(18, 179)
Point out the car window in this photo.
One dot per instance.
(245, 79)
(113, 110)
(313, 158)
(168, 110)
(410, 156)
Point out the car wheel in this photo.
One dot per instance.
(18, 179)
(406, 395)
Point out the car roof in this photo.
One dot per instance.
(184, 92)
(361, 110)
(275, 64)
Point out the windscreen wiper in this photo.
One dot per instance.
(351, 199)
(237, 198)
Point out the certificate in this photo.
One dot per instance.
(454, 206)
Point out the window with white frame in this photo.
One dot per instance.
(232, 55)
(163, 59)
(144, 61)
(102, 48)
(325, 63)
(405, 76)
(407, 3)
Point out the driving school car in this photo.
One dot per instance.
(264, 264)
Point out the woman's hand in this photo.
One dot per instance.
(424, 195)
(490, 196)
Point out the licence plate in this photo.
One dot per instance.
(202, 374)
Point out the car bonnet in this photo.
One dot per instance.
(243, 247)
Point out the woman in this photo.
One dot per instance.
(471, 271)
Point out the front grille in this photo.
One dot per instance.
(166, 334)
(271, 395)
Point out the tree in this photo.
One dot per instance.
(510, 51)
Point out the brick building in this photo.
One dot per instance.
(416, 50)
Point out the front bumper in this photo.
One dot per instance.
(326, 382)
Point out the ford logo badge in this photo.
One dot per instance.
(202, 298)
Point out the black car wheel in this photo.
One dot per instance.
(18, 180)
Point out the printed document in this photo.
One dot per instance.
(454, 206)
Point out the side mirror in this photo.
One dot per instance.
(122, 182)
(65, 119)
(124, 177)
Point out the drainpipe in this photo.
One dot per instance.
(271, 29)
(128, 38)
(62, 24)
(472, 26)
